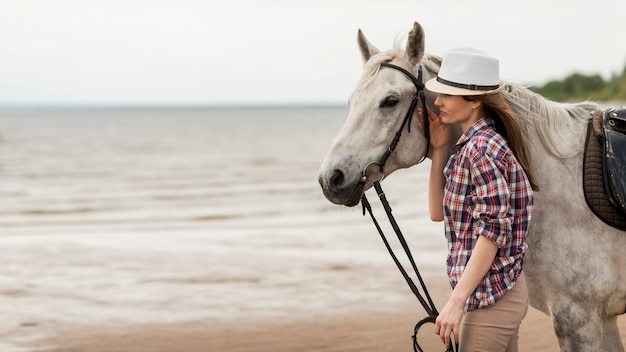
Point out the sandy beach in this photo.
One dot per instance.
(358, 331)
(332, 287)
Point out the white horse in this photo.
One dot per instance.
(575, 264)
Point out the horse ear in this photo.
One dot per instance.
(367, 49)
(415, 44)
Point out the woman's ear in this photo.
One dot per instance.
(476, 104)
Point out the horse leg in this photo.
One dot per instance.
(577, 328)
(611, 339)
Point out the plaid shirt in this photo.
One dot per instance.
(487, 193)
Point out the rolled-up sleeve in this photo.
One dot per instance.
(491, 196)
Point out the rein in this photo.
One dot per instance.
(425, 300)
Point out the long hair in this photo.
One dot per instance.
(507, 124)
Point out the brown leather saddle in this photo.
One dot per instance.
(604, 166)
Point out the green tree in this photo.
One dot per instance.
(576, 87)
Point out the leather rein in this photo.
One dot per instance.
(425, 299)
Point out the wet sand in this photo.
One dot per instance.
(381, 331)
(116, 295)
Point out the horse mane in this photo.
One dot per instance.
(550, 120)
(372, 66)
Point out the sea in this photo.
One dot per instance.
(115, 216)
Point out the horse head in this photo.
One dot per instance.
(378, 106)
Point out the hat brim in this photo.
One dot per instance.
(435, 86)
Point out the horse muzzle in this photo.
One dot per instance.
(339, 189)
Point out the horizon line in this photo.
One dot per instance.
(6, 107)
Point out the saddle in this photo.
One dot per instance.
(604, 166)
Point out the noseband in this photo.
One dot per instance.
(425, 300)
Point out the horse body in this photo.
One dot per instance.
(575, 264)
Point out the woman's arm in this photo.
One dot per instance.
(478, 265)
(436, 183)
(449, 320)
(440, 142)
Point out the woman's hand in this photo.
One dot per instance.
(440, 133)
(449, 321)
(440, 142)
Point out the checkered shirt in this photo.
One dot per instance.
(487, 193)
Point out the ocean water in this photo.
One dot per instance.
(112, 217)
(132, 171)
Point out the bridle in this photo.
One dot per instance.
(419, 95)
(425, 299)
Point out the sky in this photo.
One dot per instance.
(255, 52)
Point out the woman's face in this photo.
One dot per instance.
(455, 109)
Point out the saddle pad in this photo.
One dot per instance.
(596, 195)
(615, 155)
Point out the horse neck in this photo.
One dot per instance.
(555, 127)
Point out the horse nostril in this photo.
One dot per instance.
(337, 179)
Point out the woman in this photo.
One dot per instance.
(484, 195)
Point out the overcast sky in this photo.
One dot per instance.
(272, 51)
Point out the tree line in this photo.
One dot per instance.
(576, 87)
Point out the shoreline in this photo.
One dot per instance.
(364, 329)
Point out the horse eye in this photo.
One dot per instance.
(389, 102)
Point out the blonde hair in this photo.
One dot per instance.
(507, 124)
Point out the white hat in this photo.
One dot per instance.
(466, 71)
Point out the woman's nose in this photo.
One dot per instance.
(438, 100)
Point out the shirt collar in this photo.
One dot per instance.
(481, 124)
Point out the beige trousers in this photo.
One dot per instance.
(496, 328)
